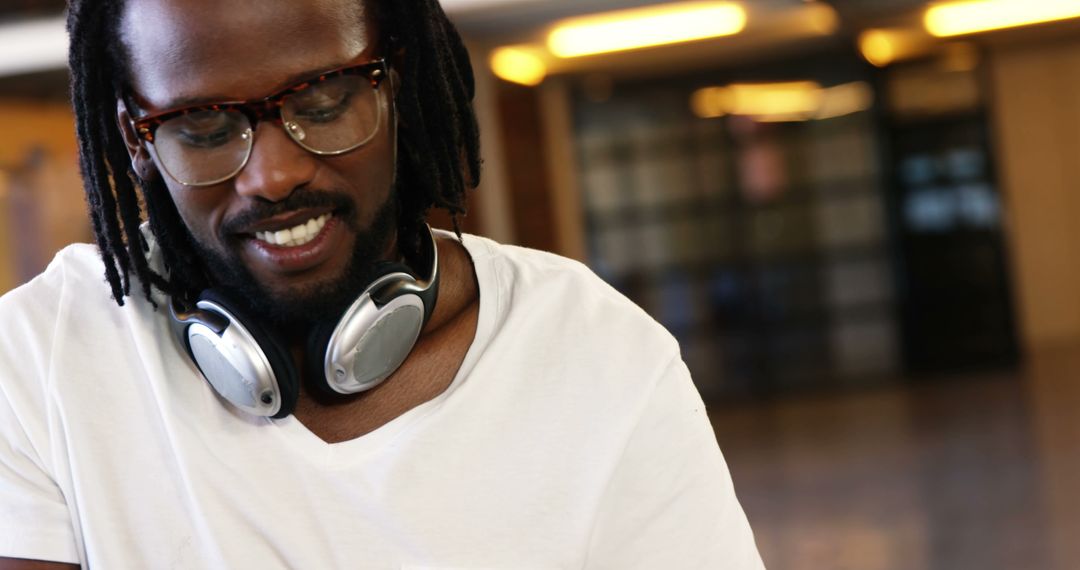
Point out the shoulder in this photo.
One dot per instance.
(564, 299)
(76, 269)
(540, 276)
(37, 317)
(69, 298)
(31, 311)
(64, 333)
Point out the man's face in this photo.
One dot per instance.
(184, 52)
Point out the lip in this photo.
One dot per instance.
(279, 259)
(284, 221)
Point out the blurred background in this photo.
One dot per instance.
(858, 217)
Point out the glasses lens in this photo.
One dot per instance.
(204, 147)
(333, 116)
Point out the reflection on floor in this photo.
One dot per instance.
(972, 473)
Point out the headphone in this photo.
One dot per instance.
(253, 370)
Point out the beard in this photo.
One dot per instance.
(301, 308)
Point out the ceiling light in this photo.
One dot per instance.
(882, 47)
(33, 45)
(783, 102)
(709, 103)
(764, 100)
(645, 27)
(878, 47)
(518, 64)
(822, 18)
(846, 99)
(972, 16)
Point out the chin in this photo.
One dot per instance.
(308, 304)
(299, 301)
(303, 298)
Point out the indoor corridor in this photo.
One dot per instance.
(976, 472)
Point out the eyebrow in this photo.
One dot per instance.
(289, 81)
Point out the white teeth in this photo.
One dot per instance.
(296, 236)
(299, 233)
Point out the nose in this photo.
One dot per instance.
(277, 166)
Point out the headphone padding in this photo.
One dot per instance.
(315, 358)
(319, 338)
(276, 352)
(384, 268)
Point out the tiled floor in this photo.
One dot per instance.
(964, 473)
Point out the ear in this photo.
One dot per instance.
(141, 162)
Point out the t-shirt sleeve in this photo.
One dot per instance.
(35, 521)
(670, 502)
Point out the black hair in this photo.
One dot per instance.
(438, 142)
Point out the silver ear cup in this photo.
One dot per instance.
(235, 366)
(377, 332)
(370, 342)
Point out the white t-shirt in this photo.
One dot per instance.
(571, 437)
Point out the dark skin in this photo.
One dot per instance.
(425, 374)
(177, 53)
(179, 56)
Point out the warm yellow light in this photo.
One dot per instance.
(885, 46)
(878, 47)
(846, 99)
(972, 16)
(518, 64)
(823, 18)
(709, 103)
(645, 27)
(790, 101)
(782, 102)
(764, 100)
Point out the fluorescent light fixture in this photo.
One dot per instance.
(846, 99)
(33, 45)
(518, 64)
(782, 102)
(774, 100)
(972, 16)
(650, 26)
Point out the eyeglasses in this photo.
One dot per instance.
(331, 114)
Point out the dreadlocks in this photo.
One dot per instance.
(438, 142)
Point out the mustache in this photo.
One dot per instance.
(341, 203)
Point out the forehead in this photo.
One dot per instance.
(191, 50)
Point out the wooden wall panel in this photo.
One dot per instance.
(1036, 105)
(42, 208)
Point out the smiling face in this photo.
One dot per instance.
(293, 232)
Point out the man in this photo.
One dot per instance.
(285, 153)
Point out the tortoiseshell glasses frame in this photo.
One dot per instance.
(268, 108)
